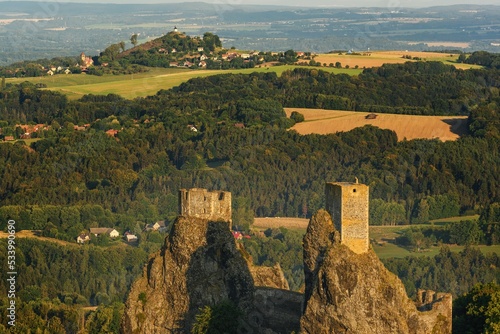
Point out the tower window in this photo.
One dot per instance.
(354, 190)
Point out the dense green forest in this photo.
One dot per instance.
(280, 172)
(56, 281)
(67, 180)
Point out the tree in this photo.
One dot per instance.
(211, 41)
(133, 39)
(478, 311)
(221, 318)
(297, 117)
(465, 233)
(3, 83)
(422, 215)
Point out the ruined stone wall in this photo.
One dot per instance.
(277, 309)
(347, 203)
(436, 309)
(204, 204)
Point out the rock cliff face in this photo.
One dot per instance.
(201, 265)
(354, 293)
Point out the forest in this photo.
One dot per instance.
(64, 181)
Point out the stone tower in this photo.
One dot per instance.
(201, 203)
(347, 203)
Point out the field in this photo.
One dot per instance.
(36, 234)
(381, 236)
(148, 83)
(142, 84)
(377, 58)
(275, 222)
(408, 127)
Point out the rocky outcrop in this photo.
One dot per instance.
(200, 264)
(354, 293)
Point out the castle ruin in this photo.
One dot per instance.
(347, 203)
(204, 204)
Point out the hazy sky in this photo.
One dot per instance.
(329, 3)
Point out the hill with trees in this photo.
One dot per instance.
(118, 162)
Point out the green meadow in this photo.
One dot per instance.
(131, 86)
(383, 237)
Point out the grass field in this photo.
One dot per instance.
(378, 58)
(321, 121)
(36, 234)
(381, 236)
(143, 84)
(28, 142)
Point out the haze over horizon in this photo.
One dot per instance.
(391, 4)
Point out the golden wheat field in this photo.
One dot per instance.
(275, 222)
(378, 58)
(321, 121)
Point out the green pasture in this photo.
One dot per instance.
(383, 235)
(143, 84)
(26, 141)
(444, 221)
(391, 250)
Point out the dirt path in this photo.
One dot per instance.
(35, 234)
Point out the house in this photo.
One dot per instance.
(203, 57)
(174, 50)
(50, 72)
(239, 125)
(237, 235)
(8, 138)
(82, 238)
(188, 64)
(131, 238)
(202, 64)
(79, 128)
(67, 71)
(85, 61)
(371, 116)
(111, 232)
(200, 49)
(112, 132)
(245, 56)
(160, 226)
(192, 128)
(174, 64)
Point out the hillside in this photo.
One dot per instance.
(407, 127)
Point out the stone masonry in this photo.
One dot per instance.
(204, 204)
(347, 203)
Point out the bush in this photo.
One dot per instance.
(297, 117)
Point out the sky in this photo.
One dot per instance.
(327, 3)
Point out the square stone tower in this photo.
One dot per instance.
(347, 203)
(201, 203)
